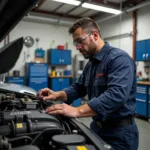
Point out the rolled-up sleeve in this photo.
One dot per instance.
(121, 71)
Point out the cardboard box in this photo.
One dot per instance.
(39, 60)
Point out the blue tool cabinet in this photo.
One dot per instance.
(58, 84)
(149, 101)
(143, 50)
(16, 80)
(77, 102)
(141, 100)
(59, 57)
(37, 75)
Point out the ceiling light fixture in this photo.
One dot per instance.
(101, 8)
(71, 2)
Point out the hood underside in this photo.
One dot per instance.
(11, 12)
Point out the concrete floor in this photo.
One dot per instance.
(144, 132)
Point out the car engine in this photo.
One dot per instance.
(25, 125)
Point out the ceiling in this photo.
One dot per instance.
(61, 11)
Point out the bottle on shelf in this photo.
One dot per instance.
(53, 73)
(52, 46)
(66, 45)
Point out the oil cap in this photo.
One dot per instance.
(70, 139)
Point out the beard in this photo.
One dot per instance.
(90, 52)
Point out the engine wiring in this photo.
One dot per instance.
(20, 138)
(46, 131)
(26, 123)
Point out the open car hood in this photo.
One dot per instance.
(11, 12)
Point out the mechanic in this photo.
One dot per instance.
(109, 79)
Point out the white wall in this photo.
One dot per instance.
(113, 27)
(116, 26)
(143, 27)
(143, 23)
(46, 33)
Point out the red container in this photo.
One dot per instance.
(61, 47)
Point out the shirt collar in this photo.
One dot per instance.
(99, 56)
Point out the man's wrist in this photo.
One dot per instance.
(57, 96)
(79, 112)
(85, 111)
(61, 95)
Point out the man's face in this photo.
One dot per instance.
(84, 42)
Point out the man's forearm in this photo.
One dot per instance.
(85, 111)
(61, 95)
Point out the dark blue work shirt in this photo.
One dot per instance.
(109, 79)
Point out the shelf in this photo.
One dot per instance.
(143, 82)
(69, 76)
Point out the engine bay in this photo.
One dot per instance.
(24, 124)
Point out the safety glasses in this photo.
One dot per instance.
(79, 41)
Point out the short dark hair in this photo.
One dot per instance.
(84, 23)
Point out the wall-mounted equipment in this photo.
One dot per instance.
(78, 65)
(28, 42)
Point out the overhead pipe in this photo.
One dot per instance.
(39, 19)
(125, 11)
(118, 36)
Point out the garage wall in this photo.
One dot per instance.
(114, 26)
(111, 27)
(46, 33)
(143, 27)
(143, 23)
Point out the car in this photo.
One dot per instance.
(24, 124)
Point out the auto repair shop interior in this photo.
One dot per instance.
(49, 59)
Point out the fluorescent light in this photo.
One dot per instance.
(101, 8)
(71, 2)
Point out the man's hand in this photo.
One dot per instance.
(47, 94)
(63, 109)
(69, 111)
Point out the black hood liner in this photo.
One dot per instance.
(11, 12)
(9, 55)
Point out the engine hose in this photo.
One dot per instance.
(13, 128)
(58, 130)
(20, 138)
(29, 126)
(69, 129)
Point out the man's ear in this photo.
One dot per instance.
(95, 35)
